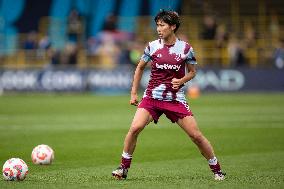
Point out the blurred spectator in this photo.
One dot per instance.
(221, 36)
(111, 47)
(54, 56)
(70, 54)
(278, 56)
(108, 52)
(109, 31)
(44, 45)
(44, 42)
(31, 41)
(75, 26)
(124, 55)
(236, 52)
(249, 35)
(110, 23)
(274, 25)
(92, 45)
(30, 46)
(135, 50)
(66, 57)
(209, 27)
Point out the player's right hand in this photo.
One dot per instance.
(176, 83)
(134, 100)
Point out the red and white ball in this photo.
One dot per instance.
(15, 169)
(42, 155)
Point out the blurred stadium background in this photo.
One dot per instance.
(74, 45)
(56, 54)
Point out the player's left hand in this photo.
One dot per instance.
(176, 83)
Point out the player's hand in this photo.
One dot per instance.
(176, 83)
(134, 99)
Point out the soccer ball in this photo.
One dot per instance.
(15, 169)
(42, 155)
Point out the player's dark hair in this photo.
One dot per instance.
(169, 17)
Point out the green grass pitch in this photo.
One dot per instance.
(87, 131)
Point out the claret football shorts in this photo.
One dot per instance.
(174, 110)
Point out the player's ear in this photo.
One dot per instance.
(173, 27)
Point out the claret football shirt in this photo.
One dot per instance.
(167, 62)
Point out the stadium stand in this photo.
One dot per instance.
(223, 33)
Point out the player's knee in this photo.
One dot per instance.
(197, 137)
(135, 129)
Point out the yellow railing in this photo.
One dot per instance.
(206, 53)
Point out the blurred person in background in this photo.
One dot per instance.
(108, 52)
(249, 35)
(172, 65)
(30, 43)
(30, 46)
(221, 36)
(278, 56)
(70, 54)
(44, 42)
(209, 27)
(136, 48)
(274, 25)
(111, 45)
(44, 45)
(110, 23)
(75, 26)
(236, 52)
(54, 56)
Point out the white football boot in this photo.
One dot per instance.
(219, 176)
(120, 173)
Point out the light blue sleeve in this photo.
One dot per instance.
(146, 57)
(190, 59)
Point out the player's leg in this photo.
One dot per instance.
(141, 119)
(189, 125)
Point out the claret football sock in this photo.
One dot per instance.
(125, 160)
(216, 169)
(214, 165)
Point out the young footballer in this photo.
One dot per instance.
(172, 65)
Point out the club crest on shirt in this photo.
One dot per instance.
(178, 57)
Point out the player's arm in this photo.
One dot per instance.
(190, 75)
(136, 81)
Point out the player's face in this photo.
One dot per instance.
(164, 30)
